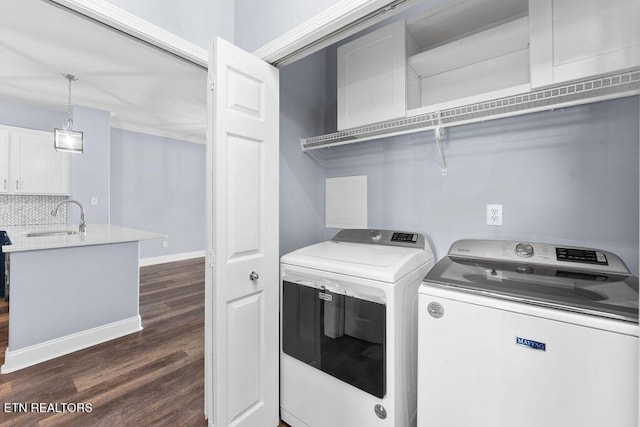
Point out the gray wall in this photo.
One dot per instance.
(197, 21)
(258, 22)
(302, 103)
(567, 176)
(26, 116)
(158, 184)
(52, 303)
(90, 170)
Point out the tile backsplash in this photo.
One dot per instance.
(31, 210)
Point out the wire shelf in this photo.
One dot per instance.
(607, 87)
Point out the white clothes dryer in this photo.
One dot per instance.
(349, 329)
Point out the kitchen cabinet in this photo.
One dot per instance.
(576, 39)
(30, 164)
(4, 161)
(372, 77)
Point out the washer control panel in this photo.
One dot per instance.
(558, 256)
(581, 255)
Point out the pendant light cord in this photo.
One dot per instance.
(69, 119)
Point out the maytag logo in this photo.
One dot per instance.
(531, 344)
(326, 297)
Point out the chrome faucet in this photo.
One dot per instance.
(83, 225)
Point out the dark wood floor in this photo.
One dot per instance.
(153, 377)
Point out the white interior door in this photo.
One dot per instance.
(241, 348)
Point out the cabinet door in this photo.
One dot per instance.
(576, 39)
(4, 161)
(372, 77)
(36, 168)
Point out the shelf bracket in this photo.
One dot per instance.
(438, 132)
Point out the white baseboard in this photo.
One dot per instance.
(170, 258)
(34, 354)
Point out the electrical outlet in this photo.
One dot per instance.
(94, 201)
(165, 244)
(494, 214)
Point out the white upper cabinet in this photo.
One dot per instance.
(470, 53)
(4, 161)
(372, 77)
(488, 64)
(457, 53)
(32, 164)
(575, 39)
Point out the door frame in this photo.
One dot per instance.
(329, 26)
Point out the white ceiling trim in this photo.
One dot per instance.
(156, 132)
(328, 27)
(134, 26)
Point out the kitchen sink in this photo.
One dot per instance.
(50, 233)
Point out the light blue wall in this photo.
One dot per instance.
(567, 176)
(197, 21)
(258, 22)
(90, 170)
(26, 116)
(158, 184)
(302, 103)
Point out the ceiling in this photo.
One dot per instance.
(143, 87)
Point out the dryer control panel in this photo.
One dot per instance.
(381, 237)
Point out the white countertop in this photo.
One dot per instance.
(96, 234)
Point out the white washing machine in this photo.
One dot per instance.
(528, 335)
(349, 329)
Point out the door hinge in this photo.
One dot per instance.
(211, 258)
(213, 86)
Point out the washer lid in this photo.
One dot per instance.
(608, 295)
(376, 262)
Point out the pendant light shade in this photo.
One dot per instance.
(68, 139)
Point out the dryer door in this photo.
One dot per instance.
(342, 335)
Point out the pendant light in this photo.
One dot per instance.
(68, 139)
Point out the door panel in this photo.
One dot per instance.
(241, 292)
(246, 205)
(245, 356)
(245, 94)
